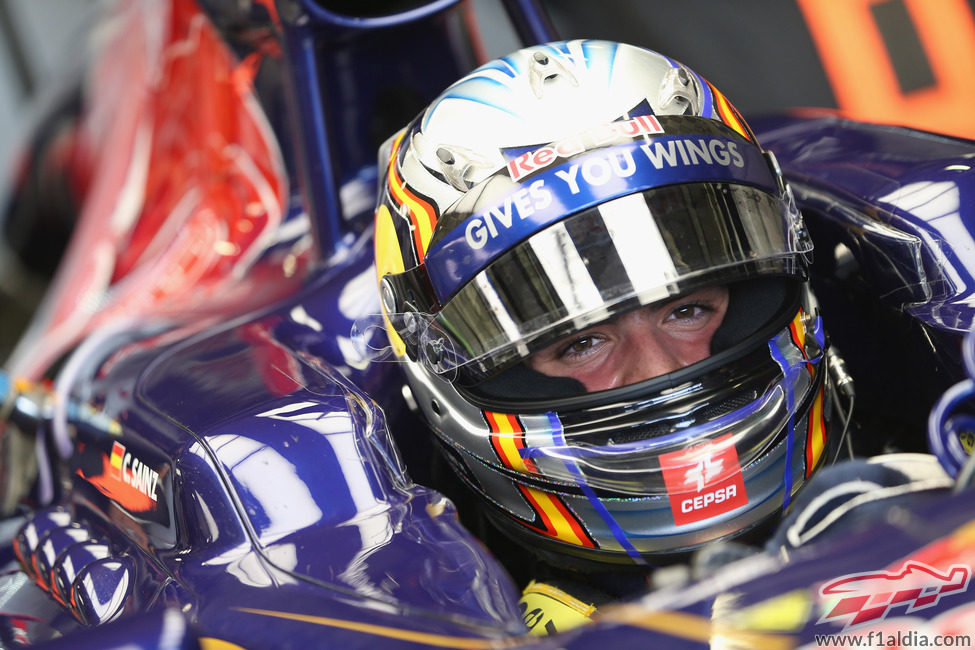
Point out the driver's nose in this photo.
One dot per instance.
(651, 351)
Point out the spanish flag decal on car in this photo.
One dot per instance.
(126, 479)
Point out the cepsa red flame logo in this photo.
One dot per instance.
(860, 598)
(703, 481)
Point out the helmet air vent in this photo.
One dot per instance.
(544, 70)
(679, 94)
(461, 167)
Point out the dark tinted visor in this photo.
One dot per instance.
(631, 251)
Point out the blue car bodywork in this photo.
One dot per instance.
(260, 484)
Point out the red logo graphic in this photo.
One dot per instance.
(703, 481)
(866, 597)
(542, 157)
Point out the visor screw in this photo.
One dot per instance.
(410, 325)
(388, 297)
(540, 58)
(434, 352)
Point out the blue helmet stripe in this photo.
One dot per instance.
(479, 89)
(558, 437)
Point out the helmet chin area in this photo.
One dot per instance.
(659, 470)
(585, 560)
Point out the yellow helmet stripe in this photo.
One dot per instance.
(558, 521)
(389, 260)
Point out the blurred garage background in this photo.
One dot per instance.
(897, 61)
(39, 44)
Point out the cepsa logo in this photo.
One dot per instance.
(859, 598)
(703, 481)
(130, 470)
(532, 161)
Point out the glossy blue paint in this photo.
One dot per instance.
(765, 589)
(278, 476)
(71, 562)
(891, 214)
(280, 491)
(907, 200)
(164, 628)
(50, 546)
(249, 466)
(100, 590)
(253, 483)
(278, 488)
(29, 536)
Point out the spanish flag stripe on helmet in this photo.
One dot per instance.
(508, 439)
(798, 332)
(728, 114)
(816, 434)
(422, 215)
(558, 521)
(798, 329)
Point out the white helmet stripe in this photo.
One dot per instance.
(641, 249)
(566, 269)
(498, 311)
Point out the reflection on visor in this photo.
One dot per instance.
(631, 251)
(636, 467)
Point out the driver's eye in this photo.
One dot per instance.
(580, 345)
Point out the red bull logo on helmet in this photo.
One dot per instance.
(531, 161)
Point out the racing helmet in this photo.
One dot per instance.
(556, 188)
